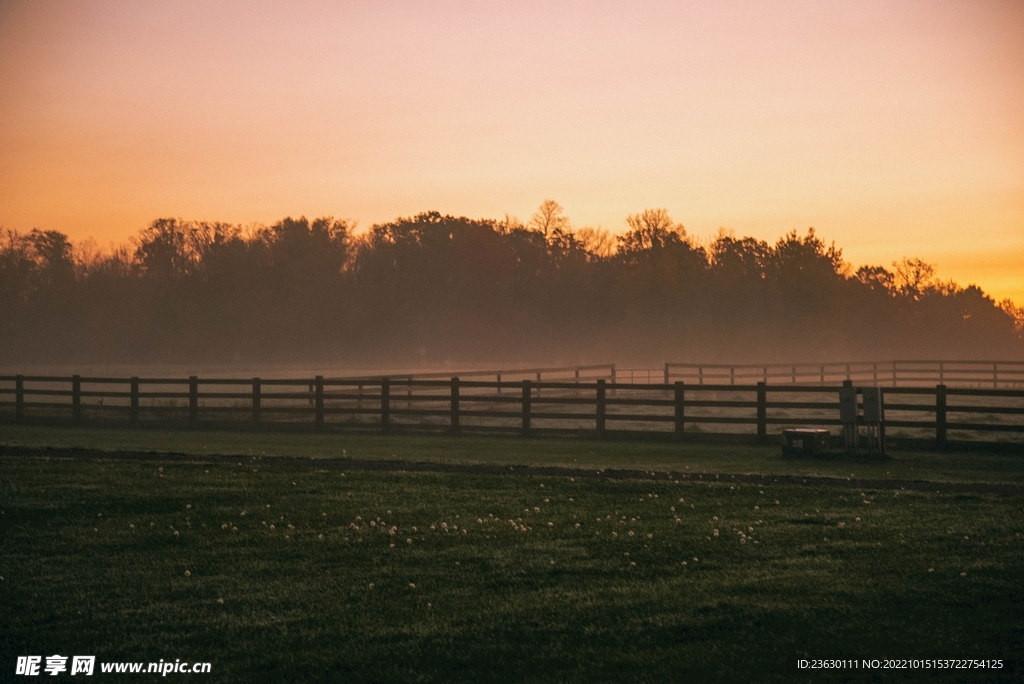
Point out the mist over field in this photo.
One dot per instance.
(437, 292)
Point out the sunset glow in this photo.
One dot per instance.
(894, 128)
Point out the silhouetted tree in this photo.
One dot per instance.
(549, 218)
(433, 288)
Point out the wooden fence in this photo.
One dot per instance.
(995, 374)
(939, 415)
(602, 371)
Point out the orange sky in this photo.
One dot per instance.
(896, 128)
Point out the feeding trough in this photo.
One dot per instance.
(804, 441)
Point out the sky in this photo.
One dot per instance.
(894, 127)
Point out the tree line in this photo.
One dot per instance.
(432, 289)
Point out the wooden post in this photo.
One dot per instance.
(135, 401)
(76, 398)
(850, 418)
(385, 405)
(940, 417)
(732, 375)
(666, 373)
(527, 397)
(193, 400)
(680, 409)
(874, 373)
(942, 373)
(823, 375)
(455, 406)
(319, 418)
(700, 374)
(256, 396)
(762, 412)
(19, 398)
(601, 408)
(881, 422)
(995, 375)
(499, 383)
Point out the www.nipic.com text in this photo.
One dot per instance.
(31, 666)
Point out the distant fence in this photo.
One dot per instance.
(995, 374)
(939, 415)
(602, 371)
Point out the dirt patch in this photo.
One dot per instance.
(545, 471)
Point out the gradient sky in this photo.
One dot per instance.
(894, 127)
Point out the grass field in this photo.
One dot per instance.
(275, 572)
(965, 466)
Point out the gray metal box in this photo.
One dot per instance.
(848, 404)
(873, 411)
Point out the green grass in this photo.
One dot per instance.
(134, 561)
(575, 453)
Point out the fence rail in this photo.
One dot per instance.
(941, 414)
(995, 374)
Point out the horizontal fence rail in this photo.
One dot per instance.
(994, 374)
(603, 371)
(941, 415)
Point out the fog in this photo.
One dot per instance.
(435, 293)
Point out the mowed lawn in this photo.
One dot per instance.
(278, 573)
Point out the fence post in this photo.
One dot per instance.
(940, 416)
(527, 397)
(135, 401)
(881, 422)
(732, 375)
(256, 392)
(19, 398)
(385, 405)
(680, 409)
(849, 417)
(995, 375)
(666, 373)
(455, 406)
(319, 419)
(762, 412)
(601, 408)
(193, 400)
(76, 398)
